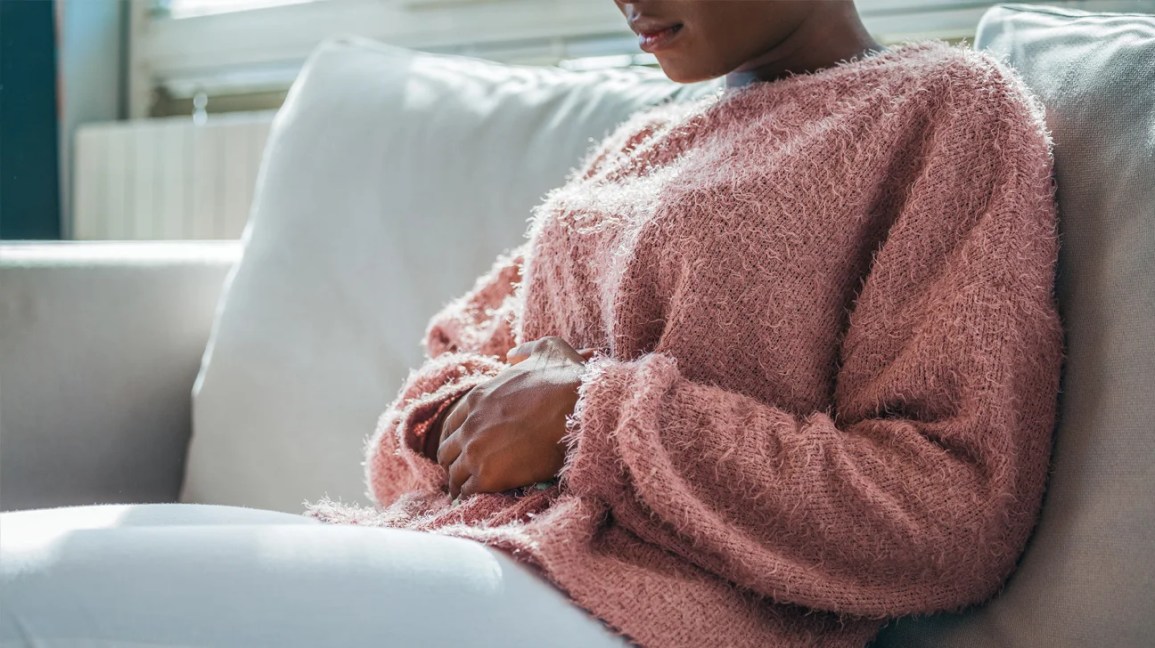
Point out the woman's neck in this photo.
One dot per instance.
(818, 43)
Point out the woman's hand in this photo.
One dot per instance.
(507, 432)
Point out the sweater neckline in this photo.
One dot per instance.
(853, 64)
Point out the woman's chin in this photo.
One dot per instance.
(679, 74)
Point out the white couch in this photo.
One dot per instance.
(393, 178)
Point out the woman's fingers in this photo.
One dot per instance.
(458, 475)
(452, 422)
(454, 418)
(587, 353)
(468, 487)
(449, 450)
(462, 481)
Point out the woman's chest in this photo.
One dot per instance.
(737, 275)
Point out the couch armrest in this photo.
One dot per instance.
(99, 346)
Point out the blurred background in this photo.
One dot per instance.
(146, 119)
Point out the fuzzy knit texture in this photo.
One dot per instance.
(828, 367)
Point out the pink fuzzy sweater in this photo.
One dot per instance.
(830, 358)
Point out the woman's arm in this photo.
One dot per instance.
(918, 491)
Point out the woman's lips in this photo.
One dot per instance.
(653, 41)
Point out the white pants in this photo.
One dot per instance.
(192, 575)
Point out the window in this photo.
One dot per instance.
(191, 8)
(184, 48)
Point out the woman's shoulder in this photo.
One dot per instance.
(974, 83)
(934, 59)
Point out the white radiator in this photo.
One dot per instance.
(167, 178)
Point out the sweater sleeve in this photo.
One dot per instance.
(466, 345)
(918, 489)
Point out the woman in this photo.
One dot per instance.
(819, 351)
(771, 368)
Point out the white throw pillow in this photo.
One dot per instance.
(391, 180)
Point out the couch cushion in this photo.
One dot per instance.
(390, 181)
(1088, 576)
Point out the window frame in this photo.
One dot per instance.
(168, 52)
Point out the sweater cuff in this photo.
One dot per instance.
(420, 416)
(395, 460)
(612, 396)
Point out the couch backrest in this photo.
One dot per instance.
(1088, 575)
(391, 180)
